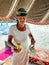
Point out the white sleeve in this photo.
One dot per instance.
(11, 31)
(28, 28)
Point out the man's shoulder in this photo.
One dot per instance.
(27, 25)
(13, 26)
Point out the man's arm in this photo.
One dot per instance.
(32, 39)
(10, 44)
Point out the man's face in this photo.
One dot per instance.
(21, 19)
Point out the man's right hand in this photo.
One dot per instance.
(14, 49)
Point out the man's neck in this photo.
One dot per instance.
(21, 28)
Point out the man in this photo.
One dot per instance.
(20, 33)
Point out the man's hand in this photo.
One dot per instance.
(14, 49)
(32, 46)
